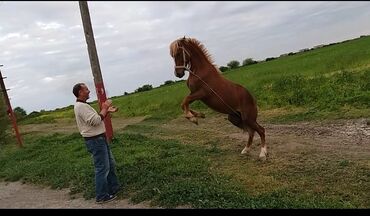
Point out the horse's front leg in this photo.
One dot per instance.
(198, 114)
(190, 114)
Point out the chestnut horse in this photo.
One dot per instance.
(206, 84)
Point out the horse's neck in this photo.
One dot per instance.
(201, 65)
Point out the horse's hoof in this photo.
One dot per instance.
(194, 120)
(263, 155)
(245, 151)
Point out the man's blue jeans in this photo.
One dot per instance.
(106, 181)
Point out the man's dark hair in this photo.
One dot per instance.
(77, 88)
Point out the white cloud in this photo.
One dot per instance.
(6, 53)
(51, 25)
(48, 79)
(52, 52)
(10, 36)
(75, 27)
(110, 25)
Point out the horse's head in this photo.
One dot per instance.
(181, 56)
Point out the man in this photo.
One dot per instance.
(91, 127)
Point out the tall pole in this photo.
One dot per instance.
(9, 111)
(94, 62)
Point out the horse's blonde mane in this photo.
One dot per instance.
(202, 48)
(174, 47)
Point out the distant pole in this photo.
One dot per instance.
(94, 62)
(9, 111)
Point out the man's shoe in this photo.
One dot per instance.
(114, 193)
(106, 199)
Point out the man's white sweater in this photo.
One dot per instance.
(89, 122)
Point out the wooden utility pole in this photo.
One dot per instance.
(9, 110)
(94, 62)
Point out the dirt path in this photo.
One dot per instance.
(18, 195)
(347, 138)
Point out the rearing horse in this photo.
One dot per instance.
(206, 84)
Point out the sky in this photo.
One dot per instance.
(44, 52)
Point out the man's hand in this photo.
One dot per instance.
(112, 109)
(107, 104)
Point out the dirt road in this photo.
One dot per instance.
(14, 195)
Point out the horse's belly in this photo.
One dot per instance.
(217, 106)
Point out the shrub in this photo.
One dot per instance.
(19, 112)
(223, 68)
(249, 61)
(233, 64)
(145, 87)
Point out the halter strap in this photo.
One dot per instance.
(184, 52)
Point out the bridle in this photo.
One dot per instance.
(186, 67)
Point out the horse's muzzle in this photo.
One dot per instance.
(180, 73)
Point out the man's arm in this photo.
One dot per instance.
(107, 108)
(90, 116)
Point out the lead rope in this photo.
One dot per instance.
(188, 69)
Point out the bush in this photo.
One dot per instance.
(33, 114)
(233, 64)
(168, 82)
(249, 61)
(144, 88)
(19, 112)
(223, 68)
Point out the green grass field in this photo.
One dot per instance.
(329, 82)
(201, 168)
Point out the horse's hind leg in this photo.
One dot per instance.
(250, 140)
(237, 121)
(261, 132)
